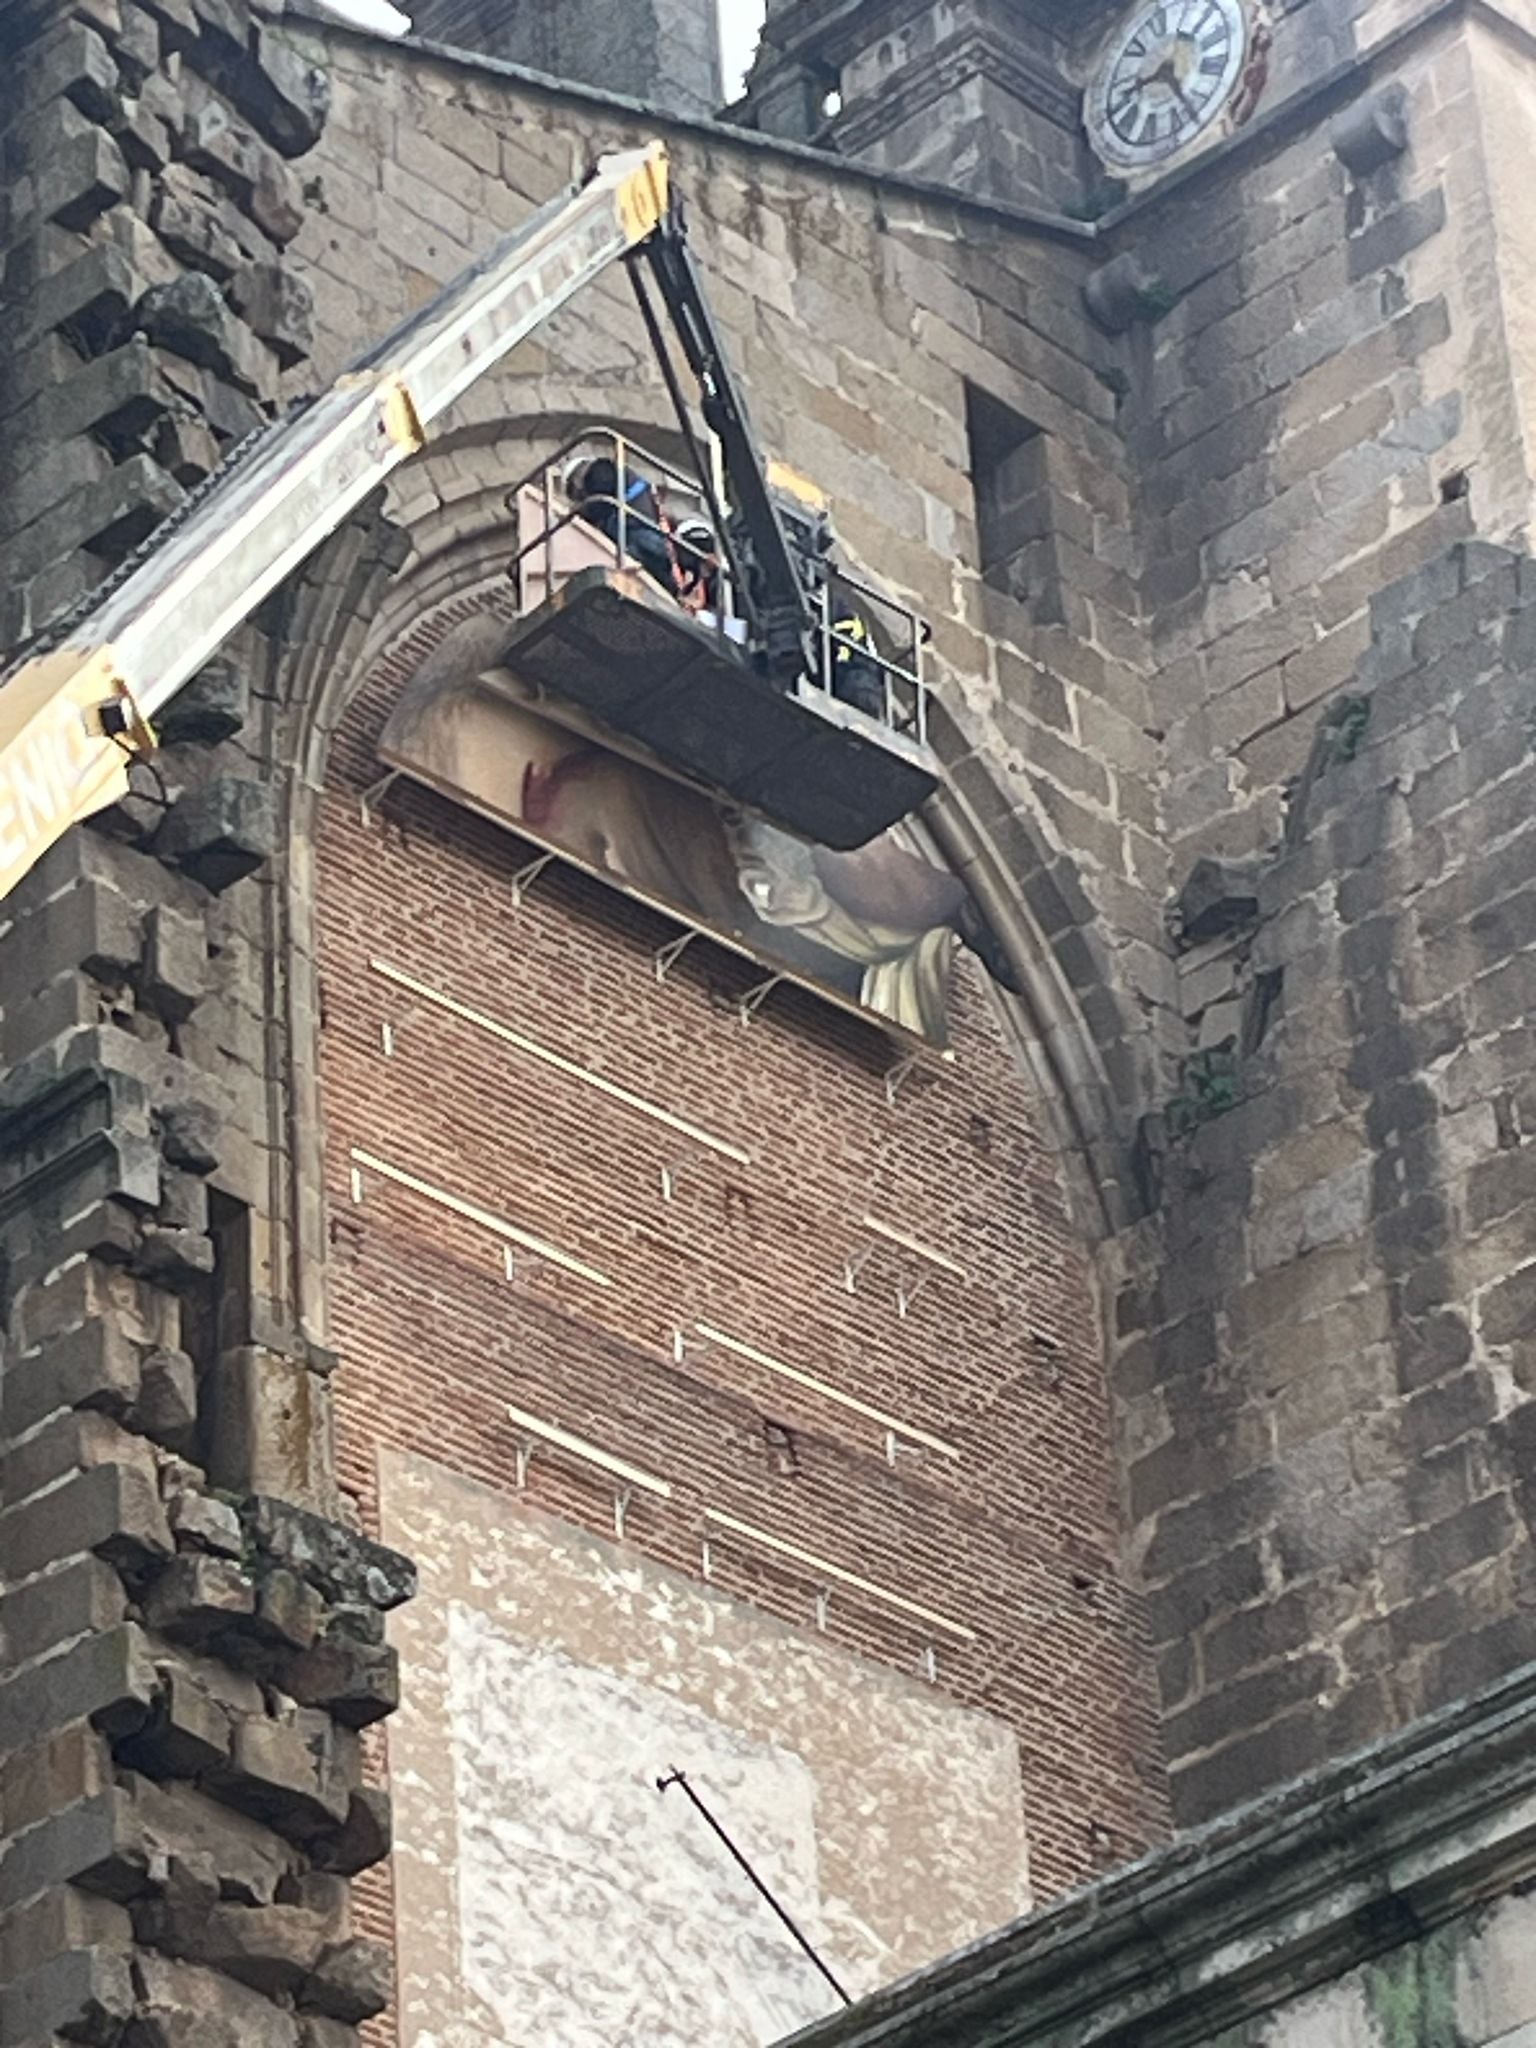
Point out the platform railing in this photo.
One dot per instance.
(869, 647)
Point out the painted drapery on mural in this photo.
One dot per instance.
(876, 927)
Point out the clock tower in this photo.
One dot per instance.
(1028, 103)
(984, 96)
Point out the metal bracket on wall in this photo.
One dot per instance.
(823, 1607)
(853, 1265)
(389, 1027)
(748, 1005)
(908, 1289)
(526, 876)
(368, 803)
(896, 1075)
(906, 1295)
(682, 1344)
(705, 1337)
(666, 957)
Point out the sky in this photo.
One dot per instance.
(740, 21)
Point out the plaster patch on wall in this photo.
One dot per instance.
(544, 1889)
(561, 1826)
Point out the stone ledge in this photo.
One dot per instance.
(1279, 1897)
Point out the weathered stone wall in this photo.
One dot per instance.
(151, 185)
(1326, 1382)
(1320, 1431)
(190, 1651)
(1329, 402)
(665, 52)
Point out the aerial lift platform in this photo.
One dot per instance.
(753, 719)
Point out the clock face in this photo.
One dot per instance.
(1168, 76)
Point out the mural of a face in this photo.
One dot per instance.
(876, 927)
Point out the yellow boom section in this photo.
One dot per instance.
(71, 718)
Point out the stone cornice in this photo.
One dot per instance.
(971, 54)
(837, 170)
(1230, 1921)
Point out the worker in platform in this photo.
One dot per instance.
(642, 533)
(856, 676)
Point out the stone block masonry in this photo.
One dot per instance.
(191, 1650)
(151, 166)
(1325, 1372)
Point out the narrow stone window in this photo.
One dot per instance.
(1010, 480)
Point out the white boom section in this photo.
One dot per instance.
(269, 510)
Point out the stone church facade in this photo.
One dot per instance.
(473, 1346)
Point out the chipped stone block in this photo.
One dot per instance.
(145, 126)
(184, 2006)
(274, 1949)
(187, 1732)
(199, 1522)
(276, 203)
(358, 1682)
(74, 63)
(285, 1773)
(183, 1200)
(85, 1995)
(352, 1981)
(1219, 896)
(362, 1839)
(284, 97)
(190, 318)
(220, 147)
(221, 832)
(178, 1823)
(92, 1366)
(212, 707)
(82, 174)
(136, 42)
(197, 1598)
(173, 1258)
(174, 974)
(279, 306)
(166, 1409)
(189, 1134)
(194, 226)
(291, 1612)
(358, 1624)
(346, 1567)
(112, 1510)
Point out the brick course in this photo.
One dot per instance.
(1016, 1539)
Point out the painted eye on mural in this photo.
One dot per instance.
(1168, 75)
